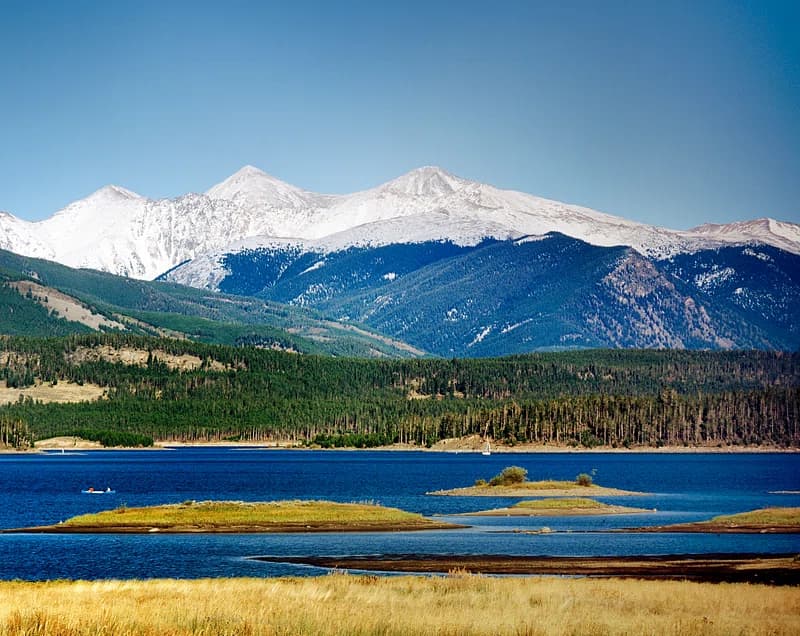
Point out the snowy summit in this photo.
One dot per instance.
(119, 231)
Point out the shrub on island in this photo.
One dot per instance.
(509, 476)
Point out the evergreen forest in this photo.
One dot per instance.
(607, 398)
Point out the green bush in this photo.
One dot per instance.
(583, 480)
(115, 438)
(480, 482)
(509, 476)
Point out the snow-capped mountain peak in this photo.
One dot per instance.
(101, 206)
(117, 230)
(252, 187)
(425, 181)
(114, 192)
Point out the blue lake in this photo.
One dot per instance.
(44, 489)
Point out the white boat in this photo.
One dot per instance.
(92, 491)
(487, 450)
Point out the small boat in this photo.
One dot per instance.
(94, 491)
(487, 449)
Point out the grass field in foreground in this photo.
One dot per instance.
(226, 514)
(361, 605)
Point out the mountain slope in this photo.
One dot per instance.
(452, 266)
(166, 309)
(517, 296)
(762, 283)
(503, 297)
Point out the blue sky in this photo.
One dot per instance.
(672, 113)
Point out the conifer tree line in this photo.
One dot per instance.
(608, 398)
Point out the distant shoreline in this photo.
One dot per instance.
(499, 450)
(453, 446)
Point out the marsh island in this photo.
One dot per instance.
(247, 517)
(557, 507)
(512, 482)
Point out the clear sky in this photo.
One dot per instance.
(672, 113)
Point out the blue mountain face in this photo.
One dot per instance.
(555, 292)
(759, 282)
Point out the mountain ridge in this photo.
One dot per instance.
(122, 232)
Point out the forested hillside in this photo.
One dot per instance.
(182, 390)
(162, 309)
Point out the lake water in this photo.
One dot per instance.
(43, 489)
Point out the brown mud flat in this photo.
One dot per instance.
(710, 527)
(243, 529)
(782, 569)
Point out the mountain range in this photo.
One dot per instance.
(452, 266)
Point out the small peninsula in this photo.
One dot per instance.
(557, 507)
(245, 517)
(512, 482)
(762, 521)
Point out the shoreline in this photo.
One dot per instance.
(781, 569)
(708, 527)
(452, 446)
(441, 447)
(289, 528)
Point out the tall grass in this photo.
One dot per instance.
(343, 604)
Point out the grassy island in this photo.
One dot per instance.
(239, 517)
(512, 482)
(764, 520)
(557, 507)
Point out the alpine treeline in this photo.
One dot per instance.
(186, 391)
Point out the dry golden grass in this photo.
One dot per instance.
(62, 392)
(361, 605)
(138, 357)
(65, 306)
(561, 502)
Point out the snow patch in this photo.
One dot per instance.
(509, 328)
(478, 338)
(759, 255)
(316, 265)
(714, 278)
(531, 239)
